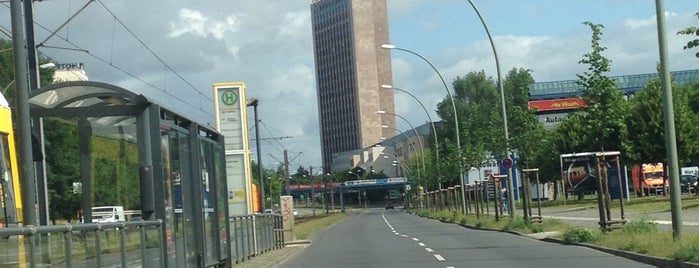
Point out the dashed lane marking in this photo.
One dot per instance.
(439, 257)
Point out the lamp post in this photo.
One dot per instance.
(411, 144)
(253, 102)
(456, 118)
(417, 136)
(434, 131)
(510, 185)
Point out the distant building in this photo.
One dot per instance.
(350, 69)
(555, 100)
(70, 72)
(389, 156)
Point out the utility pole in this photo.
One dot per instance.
(286, 172)
(23, 131)
(313, 192)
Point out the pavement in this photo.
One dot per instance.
(275, 257)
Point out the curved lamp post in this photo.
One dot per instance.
(408, 140)
(456, 119)
(510, 185)
(434, 131)
(417, 136)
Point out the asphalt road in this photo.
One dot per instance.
(393, 238)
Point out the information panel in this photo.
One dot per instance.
(230, 113)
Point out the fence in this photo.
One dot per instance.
(124, 244)
(255, 234)
(118, 244)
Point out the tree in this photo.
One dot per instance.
(691, 31)
(646, 121)
(603, 121)
(522, 121)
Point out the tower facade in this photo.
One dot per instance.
(350, 69)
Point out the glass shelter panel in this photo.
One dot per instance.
(207, 202)
(177, 169)
(115, 166)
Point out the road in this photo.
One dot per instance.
(393, 238)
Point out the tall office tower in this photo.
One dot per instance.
(350, 69)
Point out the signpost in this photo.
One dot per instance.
(230, 113)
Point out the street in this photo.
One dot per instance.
(393, 238)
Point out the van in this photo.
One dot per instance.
(108, 214)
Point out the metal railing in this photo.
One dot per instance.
(118, 244)
(124, 244)
(255, 234)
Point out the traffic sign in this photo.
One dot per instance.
(507, 163)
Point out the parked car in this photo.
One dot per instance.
(688, 183)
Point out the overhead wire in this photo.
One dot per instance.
(152, 52)
(80, 49)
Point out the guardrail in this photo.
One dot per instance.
(255, 234)
(118, 244)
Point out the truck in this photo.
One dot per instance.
(108, 214)
(648, 178)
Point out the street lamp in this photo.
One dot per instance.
(456, 118)
(254, 102)
(434, 131)
(510, 185)
(417, 136)
(407, 139)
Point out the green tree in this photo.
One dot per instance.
(604, 119)
(691, 31)
(7, 71)
(63, 169)
(522, 121)
(646, 121)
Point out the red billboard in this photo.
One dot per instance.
(557, 104)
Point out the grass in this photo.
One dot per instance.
(308, 227)
(640, 236)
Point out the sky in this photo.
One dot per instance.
(173, 51)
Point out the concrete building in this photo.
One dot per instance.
(350, 69)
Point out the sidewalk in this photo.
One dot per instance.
(275, 257)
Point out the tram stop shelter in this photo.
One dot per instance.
(135, 153)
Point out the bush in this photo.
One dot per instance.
(642, 226)
(517, 224)
(635, 247)
(578, 235)
(688, 252)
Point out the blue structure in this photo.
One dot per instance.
(629, 84)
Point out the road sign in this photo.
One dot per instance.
(507, 163)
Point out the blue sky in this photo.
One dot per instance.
(268, 45)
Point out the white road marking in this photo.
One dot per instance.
(421, 244)
(404, 235)
(429, 250)
(439, 257)
(415, 239)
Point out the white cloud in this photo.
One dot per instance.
(193, 21)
